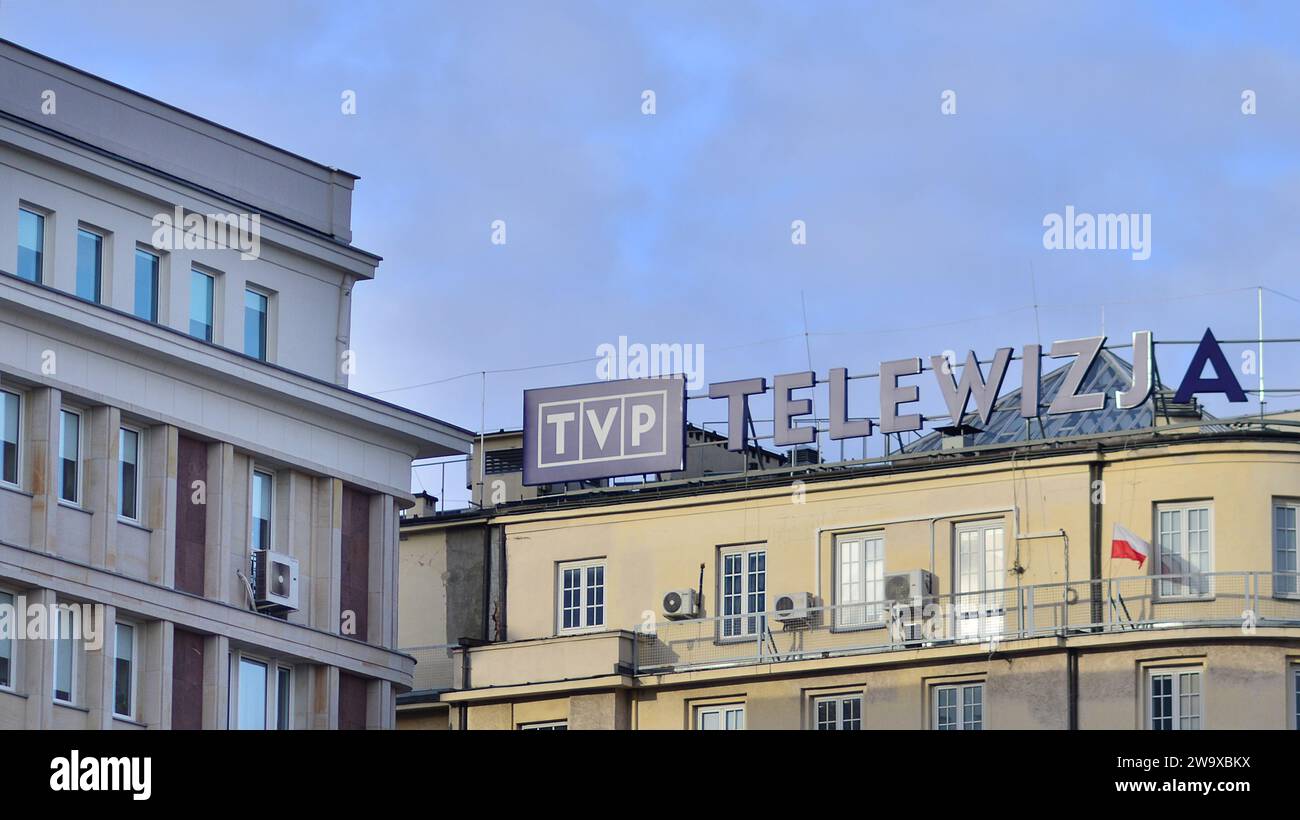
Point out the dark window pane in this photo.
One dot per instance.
(201, 287)
(255, 324)
(146, 286)
(90, 262)
(31, 245)
(9, 438)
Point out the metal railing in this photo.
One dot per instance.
(1243, 600)
(434, 667)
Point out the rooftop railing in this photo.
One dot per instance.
(434, 667)
(1241, 600)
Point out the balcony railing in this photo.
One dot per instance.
(434, 668)
(1243, 600)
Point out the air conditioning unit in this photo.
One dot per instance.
(912, 588)
(681, 604)
(794, 609)
(275, 581)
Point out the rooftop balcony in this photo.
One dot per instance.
(1244, 601)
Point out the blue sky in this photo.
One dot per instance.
(922, 228)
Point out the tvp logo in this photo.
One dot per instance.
(605, 429)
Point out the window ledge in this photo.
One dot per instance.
(129, 721)
(68, 505)
(15, 489)
(135, 525)
(65, 705)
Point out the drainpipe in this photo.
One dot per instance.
(1094, 538)
(1072, 685)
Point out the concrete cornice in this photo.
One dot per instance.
(173, 351)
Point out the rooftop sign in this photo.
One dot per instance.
(605, 429)
(635, 426)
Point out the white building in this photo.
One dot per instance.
(168, 412)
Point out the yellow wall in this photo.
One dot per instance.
(651, 548)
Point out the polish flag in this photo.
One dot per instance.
(1126, 544)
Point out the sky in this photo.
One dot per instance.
(924, 229)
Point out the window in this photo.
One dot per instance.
(1174, 696)
(861, 567)
(1184, 536)
(262, 500)
(1295, 696)
(981, 577)
(960, 706)
(728, 717)
(1284, 548)
(146, 286)
(838, 713)
(70, 456)
(90, 265)
(6, 649)
(252, 694)
(65, 625)
(128, 474)
(547, 726)
(124, 666)
(261, 694)
(31, 245)
(744, 592)
(10, 407)
(255, 324)
(283, 697)
(582, 595)
(202, 289)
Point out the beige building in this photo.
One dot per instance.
(184, 472)
(802, 598)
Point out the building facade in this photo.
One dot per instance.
(185, 473)
(958, 584)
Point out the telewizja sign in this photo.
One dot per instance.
(635, 426)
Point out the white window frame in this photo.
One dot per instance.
(545, 725)
(859, 580)
(81, 444)
(724, 712)
(72, 656)
(135, 668)
(1176, 695)
(14, 672)
(1168, 590)
(215, 318)
(750, 621)
(157, 284)
(47, 217)
(584, 592)
(836, 703)
(961, 690)
(139, 473)
(1293, 699)
(252, 514)
(1286, 586)
(272, 690)
(105, 253)
(18, 445)
(266, 316)
(979, 606)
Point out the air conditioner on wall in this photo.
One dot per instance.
(912, 588)
(681, 604)
(275, 581)
(794, 609)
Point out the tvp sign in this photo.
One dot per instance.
(604, 429)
